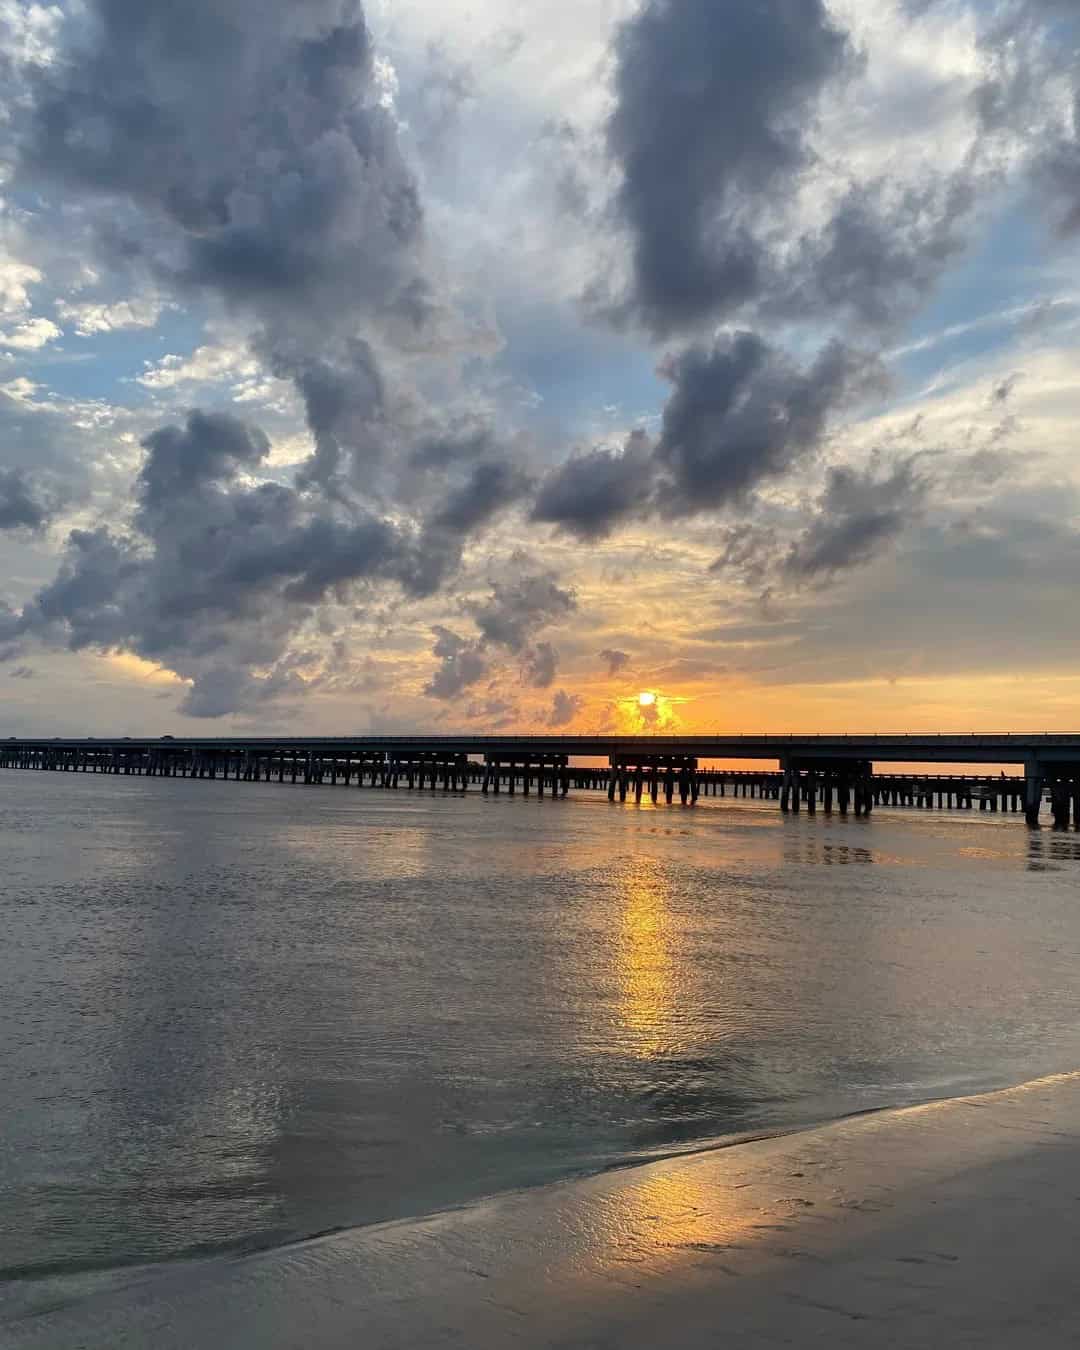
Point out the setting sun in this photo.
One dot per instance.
(647, 700)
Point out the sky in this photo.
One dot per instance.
(425, 365)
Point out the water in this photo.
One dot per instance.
(237, 1014)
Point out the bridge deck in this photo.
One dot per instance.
(915, 749)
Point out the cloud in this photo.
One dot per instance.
(1030, 98)
(540, 665)
(21, 504)
(219, 571)
(304, 222)
(222, 689)
(748, 552)
(30, 335)
(591, 493)
(740, 412)
(463, 663)
(519, 608)
(16, 278)
(207, 364)
(615, 660)
(511, 619)
(881, 250)
(753, 183)
(712, 105)
(208, 448)
(858, 514)
(490, 487)
(90, 317)
(22, 673)
(564, 708)
(495, 713)
(305, 206)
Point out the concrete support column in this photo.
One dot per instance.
(1034, 779)
(1060, 803)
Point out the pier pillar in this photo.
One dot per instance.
(1034, 778)
(1060, 803)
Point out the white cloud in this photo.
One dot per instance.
(210, 364)
(21, 390)
(88, 318)
(31, 335)
(15, 279)
(29, 31)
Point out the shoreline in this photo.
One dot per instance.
(951, 1222)
(111, 1274)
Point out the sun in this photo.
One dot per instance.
(646, 700)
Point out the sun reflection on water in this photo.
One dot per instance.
(645, 961)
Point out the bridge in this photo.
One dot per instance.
(827, 770)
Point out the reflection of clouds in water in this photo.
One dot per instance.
(409, 839)
(376, 854)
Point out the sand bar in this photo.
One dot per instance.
(952, 1224)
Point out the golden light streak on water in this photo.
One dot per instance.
(646, 964)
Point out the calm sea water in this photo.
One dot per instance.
(239, 1014)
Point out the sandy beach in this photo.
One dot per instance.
(949, 1224)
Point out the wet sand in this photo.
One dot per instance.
(952, 1224)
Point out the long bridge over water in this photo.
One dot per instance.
(841, 772)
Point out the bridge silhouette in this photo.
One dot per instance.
(827, 770)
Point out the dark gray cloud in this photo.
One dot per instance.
(1031, 49)
(302, 207)
(463, 663)
(244, 154)
(22, 504)
(217, 575)
(748, 552)
(590, 493)
(713, 102)
(45, 467)
(615, 660)
(495, 713)
(740, 412)
(304, 220)
(224, 689)
(519, 608)
(209, 448)
(859, 514)
(715, 109)
(564, 708)
(540, 665)
(512, 619)
(344, 404)
(881, 251)
(490, 488)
